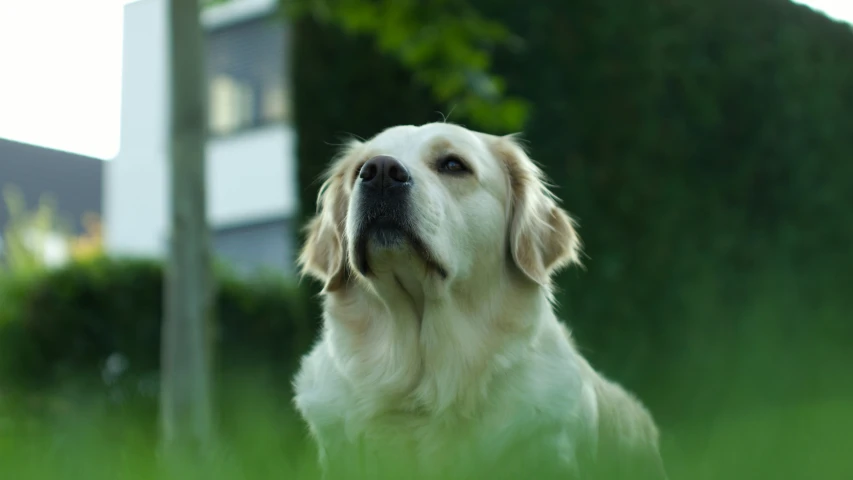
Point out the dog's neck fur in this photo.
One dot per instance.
(407, 357)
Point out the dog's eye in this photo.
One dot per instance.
(452, 164)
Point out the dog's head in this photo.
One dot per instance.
(434, 206)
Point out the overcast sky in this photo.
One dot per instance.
(61, 84)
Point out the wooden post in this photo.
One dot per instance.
(186, 417)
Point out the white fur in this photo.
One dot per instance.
(468, 376)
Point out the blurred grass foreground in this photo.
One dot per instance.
(705, 147)
(79, 379)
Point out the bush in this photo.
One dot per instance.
(100, 320)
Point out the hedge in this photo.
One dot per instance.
(73, 322)
(705, 148)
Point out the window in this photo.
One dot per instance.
(248, 86)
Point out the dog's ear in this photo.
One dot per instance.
(323, 255)
(542, 236)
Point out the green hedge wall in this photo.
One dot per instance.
(64, 325)
(705, 148)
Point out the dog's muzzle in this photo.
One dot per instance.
(384, 188)
(385, 214)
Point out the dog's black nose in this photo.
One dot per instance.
(384, 172)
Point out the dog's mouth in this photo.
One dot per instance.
(386, 233)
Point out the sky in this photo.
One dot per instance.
(61, 81)
(61, 84)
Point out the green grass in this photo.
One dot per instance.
(262, 439)
(78, 438)
(812, 441)
(765, 383)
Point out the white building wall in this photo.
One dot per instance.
(135, 182)
(250, 175)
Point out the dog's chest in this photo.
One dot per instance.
(487, 447)
(501, 441)
(532, 415)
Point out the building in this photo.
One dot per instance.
(251, 181)
(71, 182)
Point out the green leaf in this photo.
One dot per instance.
(447, 44)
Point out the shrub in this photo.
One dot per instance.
(100, 320)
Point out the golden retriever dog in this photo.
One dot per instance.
(441, 356)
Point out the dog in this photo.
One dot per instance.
(441, 355)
